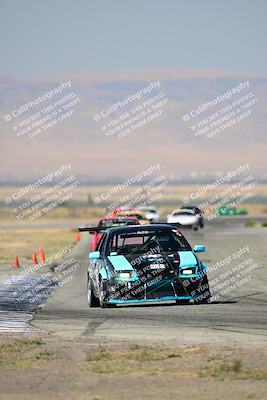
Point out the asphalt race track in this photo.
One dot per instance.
(238, 316)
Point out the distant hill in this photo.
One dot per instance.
(166, 139)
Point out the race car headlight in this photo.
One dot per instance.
(187, 271)
(124, 275)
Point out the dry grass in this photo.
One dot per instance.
(70, 364)
(19, 345)
(71, 214)
(23, 353)
(233, 370)
(133, 360)
(23, 242)
(137, 353)
(254, 224)
(155, 360)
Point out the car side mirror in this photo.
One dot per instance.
(94, 255)
(199, 248)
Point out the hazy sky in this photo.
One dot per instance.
(53, 37)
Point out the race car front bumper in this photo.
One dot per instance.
(163, 290)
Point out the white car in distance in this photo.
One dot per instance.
(184, 217)
(151, 213)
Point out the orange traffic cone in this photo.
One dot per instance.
(16, 262)
(77, 236)
(42, 255)
(34, 258)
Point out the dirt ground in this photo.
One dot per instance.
(42, 366)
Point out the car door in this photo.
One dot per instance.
(100, 262)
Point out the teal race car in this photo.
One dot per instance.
(144, 264)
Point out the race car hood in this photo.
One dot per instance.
(120, 263)
(187, 259)
(184, 259)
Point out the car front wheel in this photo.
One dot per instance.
(182, 301)
(205, 295)
(102, 295)
(91, 299)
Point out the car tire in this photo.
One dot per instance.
(195, 227)
(182, 301)
(206, 291)
(104, 304)
(92, 300)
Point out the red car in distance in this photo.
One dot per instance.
(109, 222)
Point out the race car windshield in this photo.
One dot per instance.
(139, 242)
(182, 213)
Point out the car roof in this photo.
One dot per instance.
(146, 208)
(118, 218)
(139, 228)
(124, 208)
(190, 207)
